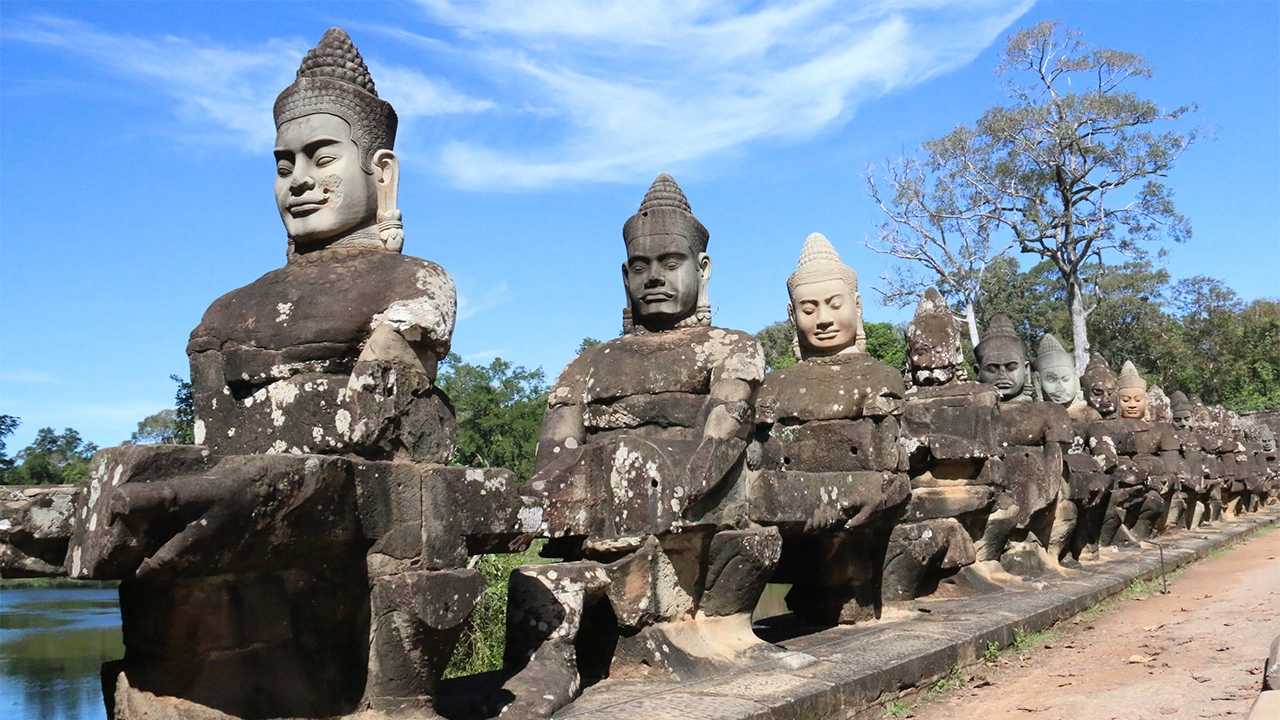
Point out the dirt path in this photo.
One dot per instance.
(1203, 645)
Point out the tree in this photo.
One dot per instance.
(886, 344)
(158, 428)
(940, 222)
(499, 410)
(8, 423)
(586, 344)
(778, 341)
(184, 416)
(1071, 169)
(53, 459)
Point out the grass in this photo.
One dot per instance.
(896, 709)
(483, 643)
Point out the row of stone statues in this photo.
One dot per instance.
(309, 556)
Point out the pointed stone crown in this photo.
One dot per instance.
(819, 261)
(665, 211)
(333, 79)
(932, 303)
(1000, 331)
(1128, 377)
(1050, 353)
(1178, 402)
(1096, 370)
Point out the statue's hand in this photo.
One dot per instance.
(214, 510)
(708, 466)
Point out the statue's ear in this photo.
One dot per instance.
(704, 266)
(386, 168)
(791, 315)
(386, 179)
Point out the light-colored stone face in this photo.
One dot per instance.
(663, 276)
(1133, 402)
(321, 190)
(1004, 366)
(826, 315)
(1060, 383)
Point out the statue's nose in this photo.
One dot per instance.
(302, 182)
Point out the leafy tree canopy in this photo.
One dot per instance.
(499, 408)
(52, 459)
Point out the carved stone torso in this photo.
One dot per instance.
(274, 363)
(656, 384)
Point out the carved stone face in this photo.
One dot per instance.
(1004, 364)
(663, 278)
(1101, 396)
(321, 190)
(1181, 419)
(1059, 383)
(826, 315)
(1133, 402)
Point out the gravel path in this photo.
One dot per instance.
(1197, 652)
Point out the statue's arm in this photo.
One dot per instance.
(563, 434)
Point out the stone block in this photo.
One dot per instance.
(951, 421)
(803, 502)
(36, 524)
(948, 502)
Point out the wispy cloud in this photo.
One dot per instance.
(222, 92)
(492, 297)
(579, 90)
(27, 376)
(638, 87)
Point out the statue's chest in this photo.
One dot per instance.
(632, 369)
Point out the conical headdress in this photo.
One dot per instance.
(1050, 353)
(1128, 377)
(333, 79)
(665, 211)
(1096, 370)
(999, 331)
(819, 261)
(931, 303)
(1178, 402)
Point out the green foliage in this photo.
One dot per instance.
(896, 709)
(484, 641)
(778, 341)
(52, 459)
(1069, 169)
(8, 423)
(992, 653)
(184, 417)
(499, 409)
(159, 428)
(586, 344)
(886, 344)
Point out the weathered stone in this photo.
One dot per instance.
(956, 421)
(948, 502)
(36, 524)
(845, 387)
(804, 502)
(740, 563)
(919, 550)
(935, 355)
(1002, 361)
(415, 618)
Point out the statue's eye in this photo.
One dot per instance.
(836, 304)
(637, 268)
(325, 160)
(673, 264)
(283, 169)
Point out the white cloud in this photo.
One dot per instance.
(493, 297)
(639, 87)
(580, 90)
(222, 92)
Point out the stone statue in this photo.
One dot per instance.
(306, 558)
(641, 453)
(1002, 361)
(1159, 407)
(830, 468)
(825, 306)
(1099, 384)
(1180, 409)
(1055, 375)
(934, 353)
(1131, 393)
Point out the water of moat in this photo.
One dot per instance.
(53, 642)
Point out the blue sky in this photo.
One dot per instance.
(136, 172)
